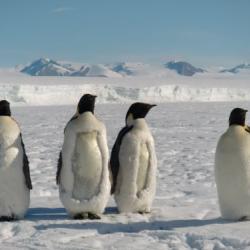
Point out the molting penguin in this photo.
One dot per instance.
(15, 182)
(133, 163)
(82, 172)
(232, 168)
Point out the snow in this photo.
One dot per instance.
(183, 68)
(48, 67)
(96, 71)
(192, 113)
(185, 212)
(242, 68)
(128, 69)
(21, 89)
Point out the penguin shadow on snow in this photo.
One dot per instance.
(134, 227)
(44, 213)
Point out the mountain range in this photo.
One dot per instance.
(49, 67)
(237, 69)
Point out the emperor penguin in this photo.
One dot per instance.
(82, 173)
(133, 163)
(232, 168)
(15, 181)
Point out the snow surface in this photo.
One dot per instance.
(191, 115)
(185, 212)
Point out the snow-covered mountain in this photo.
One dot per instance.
(183, 68)
(48, 67)
(97, 70)
(238, 68)
(140, 69)
(124, 68)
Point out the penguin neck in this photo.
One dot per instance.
(86, 114)
(140, 123)
(236, 128)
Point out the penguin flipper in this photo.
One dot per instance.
(59, 168)
(59, 162)
(114, 159)
(26, 169)
(65, 175)
(150, 180)
(74, 117)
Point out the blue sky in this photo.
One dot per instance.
(212, 32)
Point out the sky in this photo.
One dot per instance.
(211, 33)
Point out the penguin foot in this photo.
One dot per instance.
(81, 216)
(93, 216)
(6, 218)
(243, 218)
(143, 212)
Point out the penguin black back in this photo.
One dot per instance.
(26, 168)
(5, 108)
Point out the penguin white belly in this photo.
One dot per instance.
(143, 167)
(87, 166)
(14, 195)
(232, 172)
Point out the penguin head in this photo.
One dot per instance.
(86, 104)
(5, 108)
(237, 117)
(137, 110)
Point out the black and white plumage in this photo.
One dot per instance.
(133, 163)
(15, 181)
(82, 172)
(232, 168)
(114, 159)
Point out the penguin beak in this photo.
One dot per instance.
(153, 105)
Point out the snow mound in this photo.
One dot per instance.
(70, 94)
